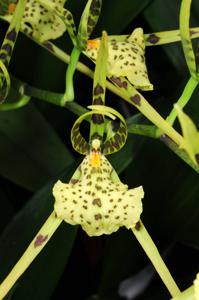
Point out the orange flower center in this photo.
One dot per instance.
(93, 44)
(95, 158)
(11, 8)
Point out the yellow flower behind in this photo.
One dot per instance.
(41, 22)
(95, 201)
(125, 58)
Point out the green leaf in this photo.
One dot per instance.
(31, 153)
(88, 21)
(40, 280)
(190, 134)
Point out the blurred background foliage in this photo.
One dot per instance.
(35, 151)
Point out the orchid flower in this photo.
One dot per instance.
(45, 19)
(96, 201)
(125, 58)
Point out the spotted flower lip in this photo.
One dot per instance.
(95, 201)
(125, 59)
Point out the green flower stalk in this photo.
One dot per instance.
(35, 247)
(88, 22)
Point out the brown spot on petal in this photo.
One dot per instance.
(7, 48)
(98, 90)
(49, 46)
(40, 239)
(119, 82)
(74, 181)
(98, 217)
(136, 99)
(97, 202)
(153, 39)
(11, 35)
(138, 225)
(97, 119)
(98, 101)
(98, 187)
(197, 158)
(3, 55)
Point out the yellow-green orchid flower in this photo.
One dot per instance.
(98, 200)
(42, 23)
(125, 58)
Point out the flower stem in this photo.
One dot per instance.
(153, 254)
(131, 95)
(35, 247)
(184, 98)
(69, 92)
(185, 36)
(47, 96)
(10, 106)
(145, 130)
(160, 38)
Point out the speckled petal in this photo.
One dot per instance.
(129, 60)
(96, 203)
(44, 24)
(125, 58)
